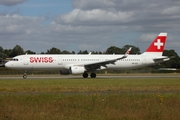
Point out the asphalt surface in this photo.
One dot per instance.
(71, 77)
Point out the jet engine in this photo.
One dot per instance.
(76, 70)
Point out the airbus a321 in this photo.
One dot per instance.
(84, 64)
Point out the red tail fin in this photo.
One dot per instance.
(158, 44)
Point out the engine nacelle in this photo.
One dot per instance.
(76, 70)
(64, 72)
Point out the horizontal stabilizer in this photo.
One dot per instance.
(161, 58)
(168, 69)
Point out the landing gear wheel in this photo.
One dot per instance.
(85, 75)
(24, 76)
(93, 75)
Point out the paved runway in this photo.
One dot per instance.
(101, 76)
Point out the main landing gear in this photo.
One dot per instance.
(85, 75)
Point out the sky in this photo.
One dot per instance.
(92, 25)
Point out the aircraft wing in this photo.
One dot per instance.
(95, 66)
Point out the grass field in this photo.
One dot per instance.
(90, 99)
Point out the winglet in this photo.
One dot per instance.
(90, 53)
(126, 54)
(128, 51)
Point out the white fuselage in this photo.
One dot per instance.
(61, 62)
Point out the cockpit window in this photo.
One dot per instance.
(14, 59)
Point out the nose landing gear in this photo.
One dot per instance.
(25, 75)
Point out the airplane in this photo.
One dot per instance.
(83, 64)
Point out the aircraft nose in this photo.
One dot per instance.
(8, 65)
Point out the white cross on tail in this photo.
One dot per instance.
(158, 44)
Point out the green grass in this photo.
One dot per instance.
(90, 99)
(91, 85)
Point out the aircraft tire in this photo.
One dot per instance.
(93, 75)
(85, 75)
(24, 76)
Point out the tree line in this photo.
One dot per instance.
(18, 50)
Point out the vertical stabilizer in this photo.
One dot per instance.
(157, 46)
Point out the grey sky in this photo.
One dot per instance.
(92, 25)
